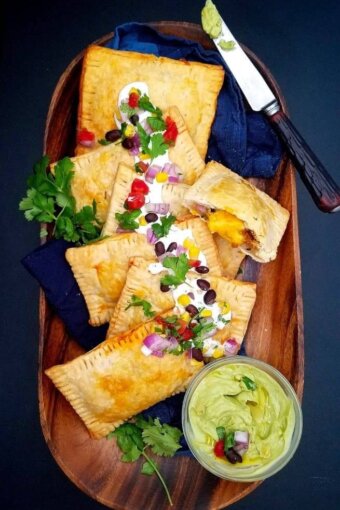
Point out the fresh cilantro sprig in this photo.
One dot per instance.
(144, 103)
(163, 228)
(125, 108)
(127, 219)
(156, 123)
(147, 307)
(179, 266)
(158, 145)
(49, 199)
(134, 438)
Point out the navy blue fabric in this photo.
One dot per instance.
(243, 141)
(48, 265)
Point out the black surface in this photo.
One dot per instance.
(300, 42)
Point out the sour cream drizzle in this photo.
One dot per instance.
(176, 234)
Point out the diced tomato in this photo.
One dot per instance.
(187, 334)
(135, 201)
(133, 100)
(194, 263)
(219, 448)
(171, 131)
(85, 137)
(139, 186)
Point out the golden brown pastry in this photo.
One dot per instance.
(116, 381)
(231, 257)
(244, 215)
(192, 86)
(240, 296)
(94, 174)
(100, 270)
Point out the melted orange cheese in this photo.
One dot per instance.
(227, 226)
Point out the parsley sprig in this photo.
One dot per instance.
(134, 438)
(179, 266)
(127, 219)
(163, 228)
(49, 199)
(147, 307)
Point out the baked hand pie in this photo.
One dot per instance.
(94, 175)
(231, 257)
(192, 86)
(100, 270)
(116, 381)
(247, 217)
(140, 282)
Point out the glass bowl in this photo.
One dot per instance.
(221, 467)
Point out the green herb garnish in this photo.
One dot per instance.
(249, 383)
(229, 440)
(134, 438)
(103, 141)
(49, 199)
(127, 219)
(158, 146)
(156, 123)
(147, 307)
(144, 103)
(220, 431)
(180, 266)
(162, 229)
(125, 108)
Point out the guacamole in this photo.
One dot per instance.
(211, 20)
(240, 397)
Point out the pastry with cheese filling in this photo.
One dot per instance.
(242, 214)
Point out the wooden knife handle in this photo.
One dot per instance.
(324, 191)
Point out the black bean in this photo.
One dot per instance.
(159, 248)
(127, 143)
(209, 297)
(202, 269)
(197, 354)
(192, 310)
(165, 288)
(172, 247)
(151, 217)
(113, 135)
(134, 119)
(203, 284)
(233, 456)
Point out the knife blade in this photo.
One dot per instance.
(323, 189)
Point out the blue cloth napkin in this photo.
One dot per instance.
(244, 141)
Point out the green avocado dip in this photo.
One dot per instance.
(211, 20)
(240, 397)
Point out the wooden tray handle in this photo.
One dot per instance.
(324, 191)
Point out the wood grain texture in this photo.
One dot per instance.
(275, 335)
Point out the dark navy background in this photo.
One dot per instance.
(300, 42)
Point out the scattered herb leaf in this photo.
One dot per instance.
(162, 229)
(147, 307)
(179, 265)
(249, 383)
(220, 431)
(229, 440)
(156, 123)
(127, 219)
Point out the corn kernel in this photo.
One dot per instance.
(185, 316)
(161, 177)
(218, 353)
(184, 299)
(133, 90)
(195, 363)
(143, 156)
(142, 221)
(129, 131)
(194, 252)
(188, 243)
(206, 313)
(224, 307)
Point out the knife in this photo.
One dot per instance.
(324, 191)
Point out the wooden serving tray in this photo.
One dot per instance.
(275, 335)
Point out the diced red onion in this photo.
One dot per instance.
(173, 342)
(180, 249)
(159, 208)
(134, 151)
(230, 347)
(172, 179)
(151, 236)
(151, 172)
(120, 230)
(240, 448)
(87, 143)
(241, 436)
(171, 169)
(191, 294)
(158, 344)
